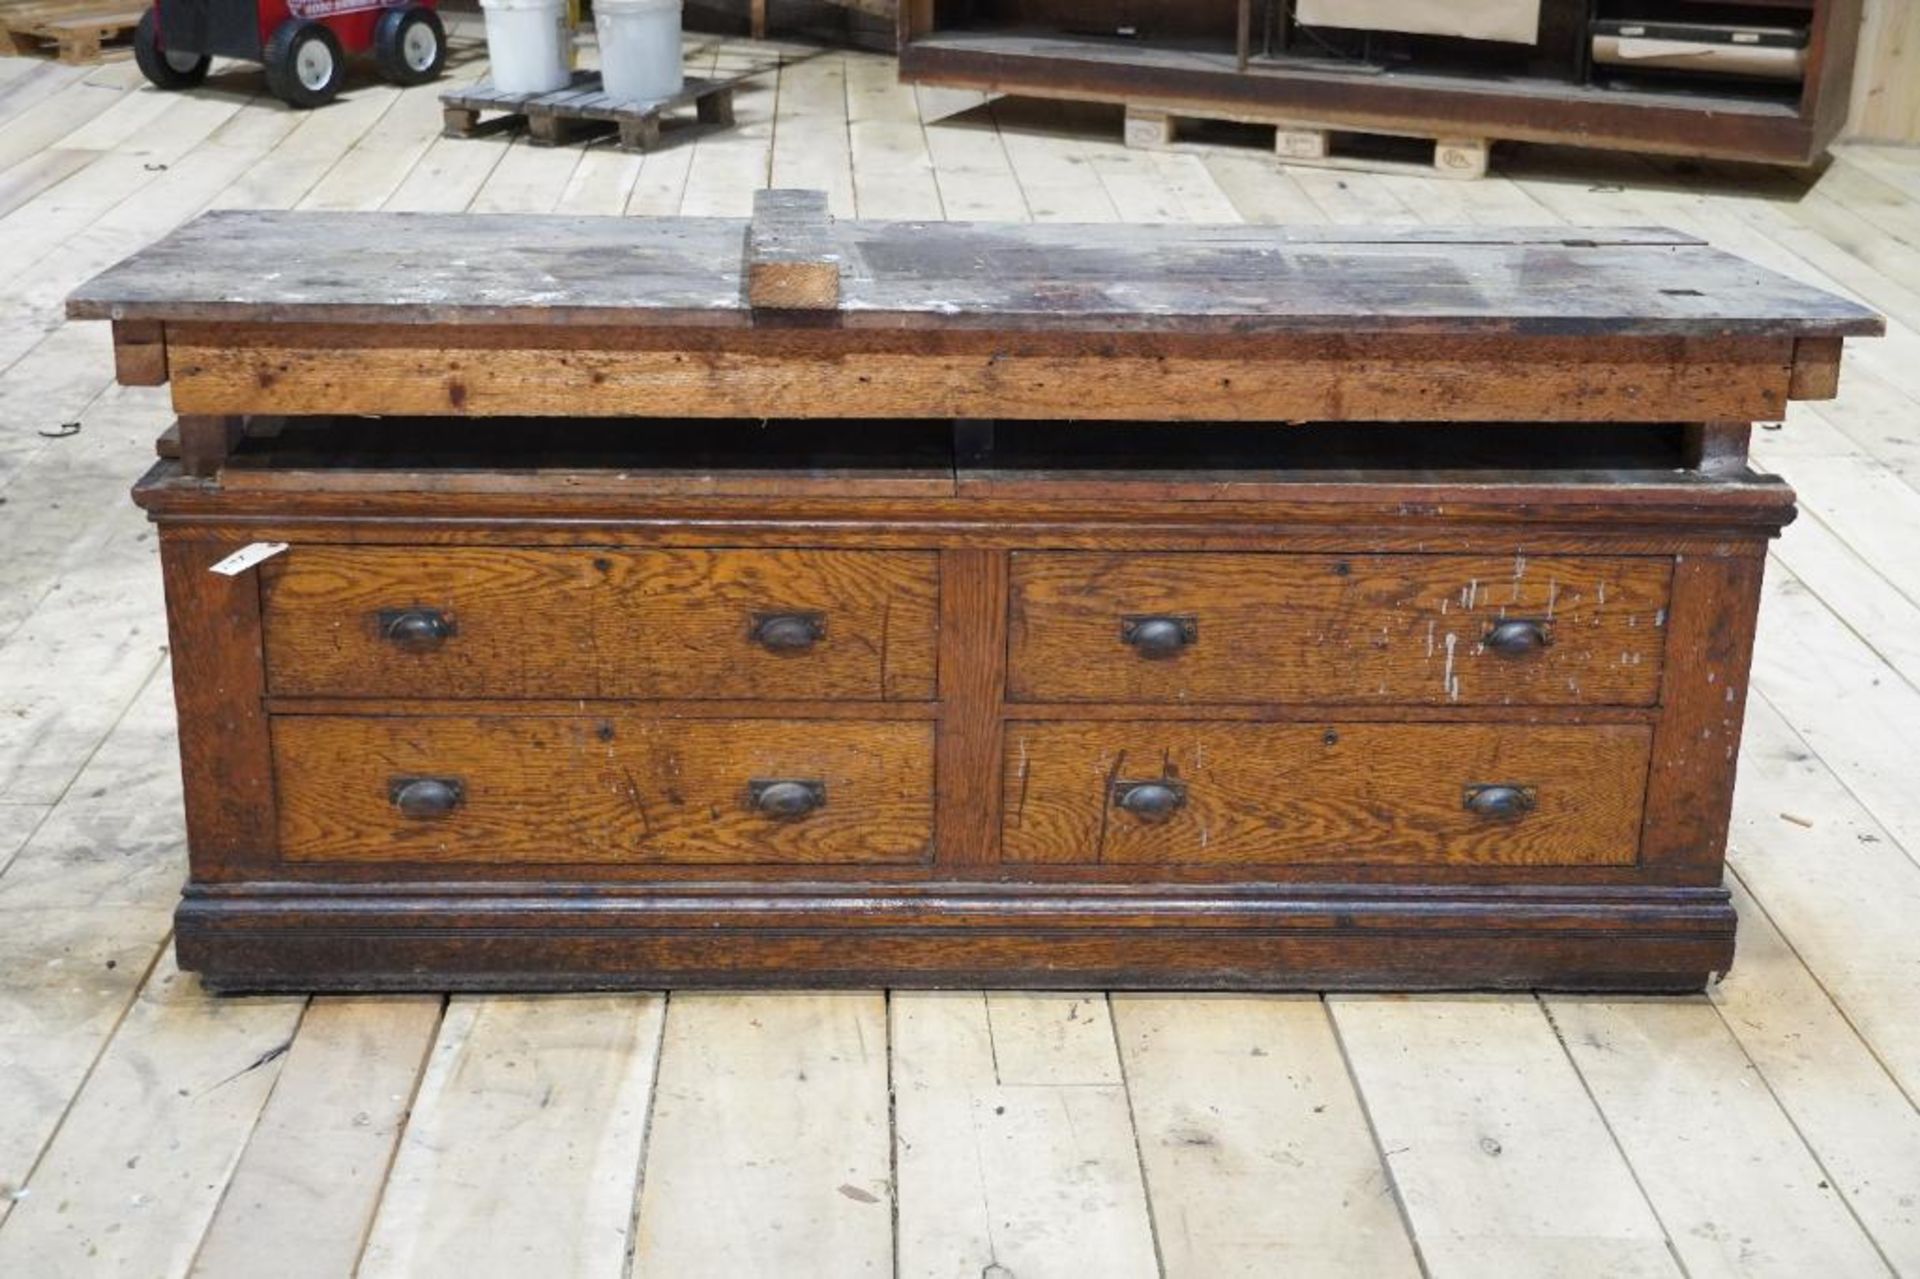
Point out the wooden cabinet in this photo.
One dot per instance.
(1336, 675)
(1252, 61)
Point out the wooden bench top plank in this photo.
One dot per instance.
(439, 269)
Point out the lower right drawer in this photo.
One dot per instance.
(1210, 793)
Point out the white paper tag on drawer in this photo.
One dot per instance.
(247, 556)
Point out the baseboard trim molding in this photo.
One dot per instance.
(261, 937)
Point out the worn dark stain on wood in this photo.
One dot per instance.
(512, 269)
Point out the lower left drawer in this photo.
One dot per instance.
(614, 788)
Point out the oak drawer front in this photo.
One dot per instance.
(1336, 629)
(473, 622)
(1271, 794)
(602, 789)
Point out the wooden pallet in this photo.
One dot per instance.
(582, 110)
(71, 31)
(1320, 146)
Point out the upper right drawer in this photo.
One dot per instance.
(1433, 630)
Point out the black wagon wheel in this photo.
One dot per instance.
(163, 67)
(410, 45)
(305, 64)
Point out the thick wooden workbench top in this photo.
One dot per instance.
(462, 269)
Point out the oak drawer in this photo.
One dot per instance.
(1254, 794)
(1336, 629)
(477, 622)
(609, 789)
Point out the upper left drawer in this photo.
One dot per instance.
(505, 622)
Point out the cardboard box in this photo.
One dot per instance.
(1511, 21)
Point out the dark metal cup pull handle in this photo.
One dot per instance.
(1517, 636)
(786, 798)
(1153, 801)
(417, 630)
(1159, 636)
(1500, 800)
(426, 796)
(788, 632)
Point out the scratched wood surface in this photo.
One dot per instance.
(1765, 1128)
(1377, 628)
(495, 269)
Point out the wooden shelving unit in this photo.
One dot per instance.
(1242, 59)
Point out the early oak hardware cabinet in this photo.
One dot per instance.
(791, 601)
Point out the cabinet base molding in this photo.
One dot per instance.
(595, 937)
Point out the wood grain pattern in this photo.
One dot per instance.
(793, 262)
(1816, 369)
(526, 1140)
(778, 372)
(303, 1195)
(1253, 1140)
(611, 789)
(1027, 1090)
(1501, 1160)
(1257, 794)
(219, 675)
(1008, 277)
(973, 646)
(601, 623)
(772, 1113)
(1538, 511)
(139, 352)
(1710, 649)
(206, 440)
(1380, 629)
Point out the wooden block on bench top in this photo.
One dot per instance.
(793, 263)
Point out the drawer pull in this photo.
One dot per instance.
(417, 630)
(1500, 800)
(426, 796)
(1159, 636)
(1153, 801)
(788, 632)
(1518, 636)
(786, 798)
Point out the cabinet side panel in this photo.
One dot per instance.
(1716, 600)
(226, 758)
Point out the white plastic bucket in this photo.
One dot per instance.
(529, 45)
(639, 48)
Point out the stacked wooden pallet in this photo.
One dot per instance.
(582, 109)
(71, 31)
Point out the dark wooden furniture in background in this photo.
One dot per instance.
(1021, 605)
(1248, 60)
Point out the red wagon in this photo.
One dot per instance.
(304, 44)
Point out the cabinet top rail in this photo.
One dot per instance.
(458, 269)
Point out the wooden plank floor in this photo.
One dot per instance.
(1768, 1128)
